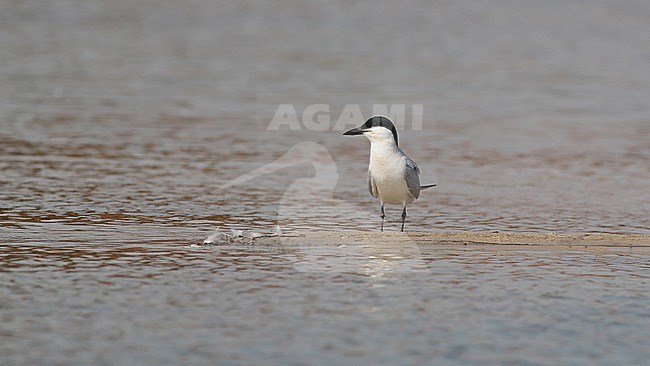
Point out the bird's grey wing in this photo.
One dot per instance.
(412, 178)
(372, 187)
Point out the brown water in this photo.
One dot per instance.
(120, 120)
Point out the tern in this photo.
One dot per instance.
(392, 176)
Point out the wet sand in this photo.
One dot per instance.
(503, 241)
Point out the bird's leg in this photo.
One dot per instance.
(382, 216)
(403, 217)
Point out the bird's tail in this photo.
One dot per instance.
(427, 186)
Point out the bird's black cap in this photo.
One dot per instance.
(382, 121)
(375, 121)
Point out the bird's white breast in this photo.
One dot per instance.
(388, 169)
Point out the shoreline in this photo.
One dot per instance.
(464, 239)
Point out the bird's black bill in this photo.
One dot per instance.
(355, 131)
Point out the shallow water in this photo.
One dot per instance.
(535, 118)
(121, 120)
(167, 303)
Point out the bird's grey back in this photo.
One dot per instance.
(412, 177)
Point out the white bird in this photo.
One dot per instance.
(392, 176)
(309, 202)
